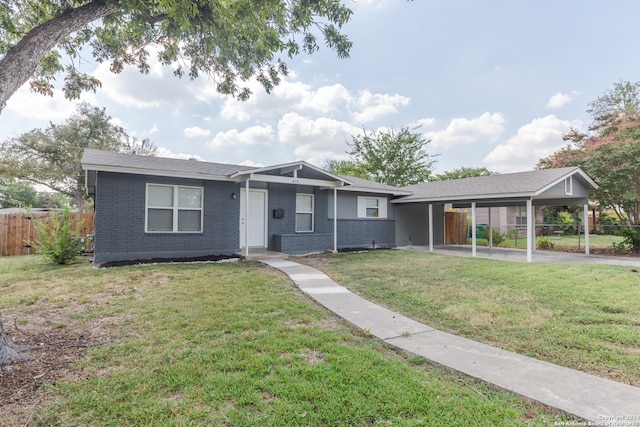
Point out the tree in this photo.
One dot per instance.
(609, 151)
(51, 157)
(463, 172)
(396, 159)
(230, 41)
(15, 194)
(346, 167)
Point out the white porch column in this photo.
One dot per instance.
(490, 231)
(430, 227)
(335, 219)
(530, 231)
(473, 228)
(246, 219)
(585, 221)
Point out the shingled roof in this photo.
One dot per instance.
(511, 185)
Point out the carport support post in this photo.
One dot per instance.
(473, 228)
(430, 227)
(530, 231)
(335, 219)
(246, 220)
(585, 221)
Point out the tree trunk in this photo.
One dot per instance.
(9, 351)
(21, 61)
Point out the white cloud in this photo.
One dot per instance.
(154, 129)
(35, 106)
(328, 98)
(250, 136)
(194, 132)
(427, 122)
(558, 100)
(486, 127)
(374, 106)
(164, 152)
(533, 141)
(316, 140)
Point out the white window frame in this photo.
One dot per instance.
(298, 211)
(568, 186)
(521, 216)
(362, 207)
(175, 207)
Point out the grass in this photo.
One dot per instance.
(234, 344)
(585, 317)
(597, 242)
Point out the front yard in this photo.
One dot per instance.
(585, 317)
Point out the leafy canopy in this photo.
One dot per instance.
(51, 157)
(609, 150)
(463, 172)
(229, 40)
(396, 159)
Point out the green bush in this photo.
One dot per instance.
(497, 237)
(544, 243)
(631, 238)
(57, 241)
(567, 222)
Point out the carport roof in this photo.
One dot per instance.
(514, 186)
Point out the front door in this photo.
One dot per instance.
(255, 231)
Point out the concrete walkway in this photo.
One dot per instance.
(593, 398)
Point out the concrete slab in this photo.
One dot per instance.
(597, 400)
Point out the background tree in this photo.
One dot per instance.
(395, 159)
(15, 194)
(230, 41)
(609, 151)
(51, 157)
(463, 172)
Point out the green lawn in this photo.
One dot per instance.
(597, 242)
(586, 317)
(234, 344)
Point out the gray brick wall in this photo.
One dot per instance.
(120, 214)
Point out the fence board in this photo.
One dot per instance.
(455, 225)
(16, 228)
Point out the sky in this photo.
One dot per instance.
(493, 83)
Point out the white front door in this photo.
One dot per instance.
(256, 228)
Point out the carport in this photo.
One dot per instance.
(548, 187)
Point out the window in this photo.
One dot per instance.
(372, 207)
(174, 209)
(568, 186)
(304, 213)
(521, 216)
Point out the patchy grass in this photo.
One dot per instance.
(585, 317)
(227, 344)
(597, 243)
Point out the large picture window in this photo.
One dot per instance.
(304, 213)
(372, 207)
(174, 209)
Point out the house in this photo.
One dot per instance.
(153, 207)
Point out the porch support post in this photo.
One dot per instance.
(490, 232)
(430, 227)
(335, 219)
(246, 219)
(530, 231)
(585, 221)
(473, 228)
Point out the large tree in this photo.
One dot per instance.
(230, 41)
(396, 159)
(609, 151)
(51, 157)
(16, 194)
(463, 172)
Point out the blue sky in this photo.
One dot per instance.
(492, 83)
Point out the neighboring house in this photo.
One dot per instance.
(153, 207)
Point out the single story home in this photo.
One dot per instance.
(154, 207)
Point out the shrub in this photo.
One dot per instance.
(567, 222)
(544, 243)
(56, 241)
(620, 248)
(497, 237)
(631, 238)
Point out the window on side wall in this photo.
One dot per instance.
(173, 209)
(304, 213)
(568, 186)
(521, 216)
(372, 207)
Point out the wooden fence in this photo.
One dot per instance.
(455, 226)
(17, 228)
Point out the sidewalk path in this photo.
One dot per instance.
(599, 400)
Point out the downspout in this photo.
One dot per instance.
(246, 220)
(430, 227)
(585, 221)
(530, 232)
(335, 219)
